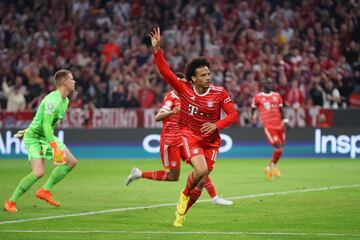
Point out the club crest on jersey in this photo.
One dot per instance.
(195, 150)
(168, 103)
(267, 105)
(49, 108)
(192, 98)
(210, 103)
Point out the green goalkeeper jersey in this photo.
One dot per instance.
(50, 111)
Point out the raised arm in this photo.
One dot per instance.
(161, 63)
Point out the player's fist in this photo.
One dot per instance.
(58, 154)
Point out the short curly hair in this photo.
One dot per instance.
(191, 67)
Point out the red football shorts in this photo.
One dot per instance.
(275, 136)
(194, 147)
(170, 155)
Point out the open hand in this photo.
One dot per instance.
(155, 38)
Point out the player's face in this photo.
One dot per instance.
(202, 77)
(267, 84)
(69, 83)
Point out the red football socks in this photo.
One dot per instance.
(276, 156)
(190, 184)
(194, 196)
(160, 175)
(210, 187)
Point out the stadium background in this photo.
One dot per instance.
(309, 48)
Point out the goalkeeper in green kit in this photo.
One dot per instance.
(41, 144)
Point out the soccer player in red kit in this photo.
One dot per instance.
(199, 124)
(270, 105)
(172, 149)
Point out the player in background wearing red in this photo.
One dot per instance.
(270, 105)
(172, 149)
(199, 124)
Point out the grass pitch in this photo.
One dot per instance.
(97, 205)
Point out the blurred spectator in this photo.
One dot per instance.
(105, 44)
(295, 97)
(332, 96)
(322, 122)
(317, 94)
(119, 97)
(110, 50)
(15, 95)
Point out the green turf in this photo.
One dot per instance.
(99, 185)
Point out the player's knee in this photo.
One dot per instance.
(202, 172)
(174, 175)
(38, 173)
(72, 163)
(279, 149)
(278, 146)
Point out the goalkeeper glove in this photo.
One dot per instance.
(58, 154)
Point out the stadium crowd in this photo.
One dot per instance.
(309, 47)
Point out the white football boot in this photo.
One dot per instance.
(134, 175)
(221, 201)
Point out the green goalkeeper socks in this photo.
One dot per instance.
(24, 185)
(56, 176)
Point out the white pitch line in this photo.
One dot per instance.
(173, 204)
(187, 233)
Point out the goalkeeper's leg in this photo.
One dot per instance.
(25, 184)
(59, 173)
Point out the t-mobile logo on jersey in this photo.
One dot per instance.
(193, 110)
(342, 144)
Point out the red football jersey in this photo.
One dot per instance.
(197, 109)
(170, 132)
(269, 106)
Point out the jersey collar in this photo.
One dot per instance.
(204, 94)
(267, 94)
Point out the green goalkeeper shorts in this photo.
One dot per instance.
(38, 147)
